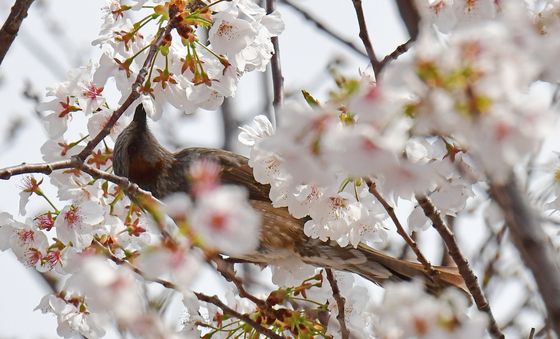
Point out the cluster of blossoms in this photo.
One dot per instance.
(408, 312)
(220, 214)
(187, 71)
(455, 113)
(99, 241)
(303, 307)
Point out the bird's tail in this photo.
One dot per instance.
(379, 268)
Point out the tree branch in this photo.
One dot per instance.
(433, 274)
(344, 332)
(47, 168)
(225, 270)
(322, 27)
(394, 55)
(229, 123)
(410, 17)
(462, 263)
(532, 243)
(10, 29)
(365, 36)
(44, 168)
(243, 317)
(275, 66)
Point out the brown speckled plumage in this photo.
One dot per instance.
(139, 156)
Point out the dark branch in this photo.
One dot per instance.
(410, 17)
(229, 123)
(10, 29)
(433, 274)
(394, 55)
(533, 244)
(47, 168)
(227, 272)
(243, 317)
(344, 332)
(277, 78)
(44, 168)
(462, 263)
(365, 36)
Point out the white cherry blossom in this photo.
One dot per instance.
(77, 223)
(225, 220)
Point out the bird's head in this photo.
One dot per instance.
(137, 142)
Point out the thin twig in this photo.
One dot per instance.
(532, 333)
(322, 27)
(134, 94)
(49, 279)
(10, 29)
(365, 36)
(43, 168)
(243, 317)
(344, 332)
(446, 259)
(432, 274)
(394, 55)
(229, 123)
(410, 17)
(275, 66)
(465, 270)
(145, 198)
(225, 270)
(267, 107)
(406, 247)
(48, 168)
(533, 244)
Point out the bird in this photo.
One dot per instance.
(138, 156)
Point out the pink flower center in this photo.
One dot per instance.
(176, 259)
(72, 217)
(45, 222)
(225, 30)
(337, 202)
(218, 221)
(314, 194)
(93, 92)
(502, 131)
(372, 93)
(53, 258)
(32, 256)
(26, 236)
(367, 145)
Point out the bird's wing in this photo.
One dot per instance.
(235, 169)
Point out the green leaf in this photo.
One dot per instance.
(310, 99)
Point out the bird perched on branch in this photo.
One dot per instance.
(139, 157)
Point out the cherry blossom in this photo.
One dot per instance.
(77, 223)
(107, 289)
(72, 321)
(407, 311)
(225, 220)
